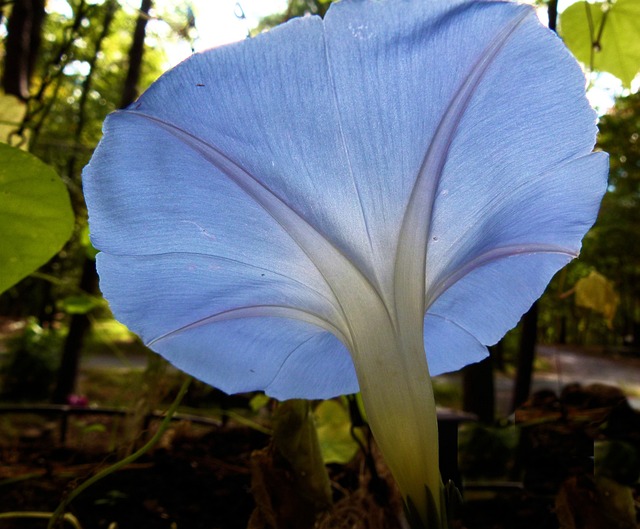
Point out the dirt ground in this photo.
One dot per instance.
(201, 478)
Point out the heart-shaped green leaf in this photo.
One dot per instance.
(605, 36)
(36, 218)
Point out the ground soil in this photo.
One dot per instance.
(197, 483)
(200, 478)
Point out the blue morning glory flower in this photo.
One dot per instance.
(309, 211)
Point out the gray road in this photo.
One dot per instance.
(562, 366)
(572, 366)
(565, 366)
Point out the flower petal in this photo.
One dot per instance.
(449, 346)
(266, 105)
(505, 217)
(231, 324)
(342, 158)
(412, 58)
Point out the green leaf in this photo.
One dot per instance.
(85, 241)
(80, 304)
(605, 36)
(597, 293)
(334, 432)
(259, 401)
(36, 218)
(12, 111)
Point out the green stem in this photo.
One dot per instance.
(67, 517)
(123, 462)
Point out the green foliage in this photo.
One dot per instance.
(295, 8)
(80, 303)
(296, 439)
(11, 114)
(617, 460)
(28, 370)
(597, 293)
(605, 36)
(258, 401)
(613, 246)
(82, 85)
(35, 215)
(334, 432)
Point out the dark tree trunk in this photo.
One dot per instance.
(110, 11)
(552, 11)
(130, 91)
(89, 283)
(68, 371)
(526, 356)
(524, 373)
(497, 356)
(478, 390)
(79, 323)
(22, 46)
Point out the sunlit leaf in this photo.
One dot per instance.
(12, 111)
(334, 432)
(605, 36)
(80, 303)
(597, 293)
(36, 218)
(259, 401)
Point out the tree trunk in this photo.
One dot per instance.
(68, 371)
(552, 11)
(79, 323)
(478, 390)
(22, 46)
(524, 373)
(526, 356)
(130, 92)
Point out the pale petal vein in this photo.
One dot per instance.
(412, 249)
(258, 311)
(271, 271)
(436, 290)
(343, 141)
(339, 272)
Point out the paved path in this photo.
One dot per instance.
(573, 366)
(566, 366)
(563, 366)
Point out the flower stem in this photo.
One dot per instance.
(58, 513)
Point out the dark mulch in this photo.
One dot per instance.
(201, 478)
(199, 483)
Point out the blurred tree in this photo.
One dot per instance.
(22, 46)
(77, 78)
(79, 323)
(136, 52)
(614, 244)
(295, 8)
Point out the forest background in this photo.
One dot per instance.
(66, 64)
